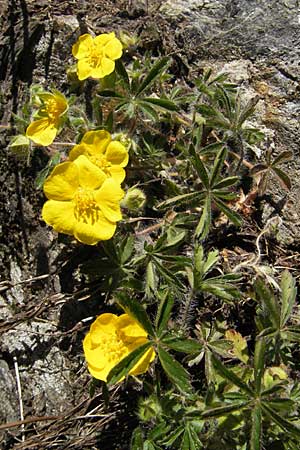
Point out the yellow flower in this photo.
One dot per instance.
(110, 339)
(44, 130)
(96, 56)
(82, 201)
(110, 156)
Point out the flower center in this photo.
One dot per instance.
(53, 109)
(86, 208)
(95, 56)
(101, 162)
(113, 347)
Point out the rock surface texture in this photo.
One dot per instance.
(41, 316)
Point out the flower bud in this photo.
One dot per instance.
(134, 199)
(149, 408)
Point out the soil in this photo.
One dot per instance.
(44, 301)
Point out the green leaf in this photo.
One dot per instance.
(155, 71)
(149, 111)
(111, 94)
(203, 226)
(127, 363)
(211, 148)
(230, 376)
(288, 297)
(247, 111)
(190, 439)
(283, 178)
(291, 336)
(240, 348)
(126, 249)
(226, 182)
(183, 345)
(173, 436)
(121, 70)
(137, 439)
(135, 310)
(151, 281)
(259, 363)
(217, 167)
(162, 103)
(224, 410)
(179, 199)
(213, 116)
(164, 311)
(269, 301)
(284, 424)
(282, 157)
(175, 372)
(199, 166)
(255, 440)
(234, 217)
(168, 275)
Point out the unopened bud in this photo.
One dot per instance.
(134, 199)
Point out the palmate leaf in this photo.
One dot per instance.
(112, 94)
(230, 376)
(172, 437)
(183, 345)
(283, 178)
(203, 226)
(247, 111)
(256, 419)
(288, 297)
(127, 363)
(190, 440)
(137, 439)
(199, 166)
(226, 182)
(175, 372)
(161, 103)
(224, 410)
(121, 70)
(269, 301)
(234, 217)
(282, 157)
(149, 111)
(155, 71)
(166, 302)
(259, 363)
(167, 274)
(180, 199)
(217, 167)
(135, 310)
(284, 424)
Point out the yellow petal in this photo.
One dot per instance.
(100, 374)
(90, 232)
(103, 39)
(82, 47)
(90, 176)
(76, 151)
(103, 325)
(143, 364)
(93, 143)
(108, 198)
(117, 154)
(84, 69)
(117, 173)
(129, 327)
(98, 140)
(113, 49)
(42, 132)
(106, 67)
(63, 182)
(60, 215)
